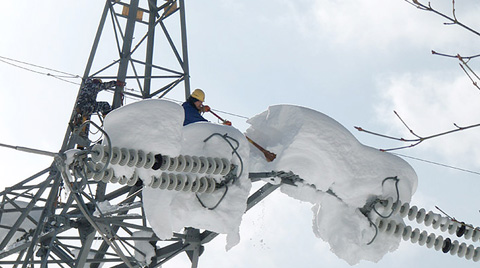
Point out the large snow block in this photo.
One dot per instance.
(157, 126)
(220, 211)
(340, 176)
(325, 154)
(150, 125)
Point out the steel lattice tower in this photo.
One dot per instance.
(44, 231)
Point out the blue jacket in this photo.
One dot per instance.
(192, 115)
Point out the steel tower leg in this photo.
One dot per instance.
(152, 7)
(46, 213)
(185, 65)
(125, 55)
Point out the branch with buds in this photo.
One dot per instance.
(414, 141)
(455, 220)
(453, 19)
(472, 75)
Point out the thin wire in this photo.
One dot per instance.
(438, 164)
(4, 59)
(59, 77)
(232, 114)
(38, 66)
(69, 75)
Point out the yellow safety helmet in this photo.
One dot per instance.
(198, 94)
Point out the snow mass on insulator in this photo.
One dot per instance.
(340, 176)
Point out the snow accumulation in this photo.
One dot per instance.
(157, 126)
(340, 174)
(325, 154)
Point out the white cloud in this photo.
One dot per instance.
(381, 24)
(430, 103)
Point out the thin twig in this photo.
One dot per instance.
(453, 11)
(466, 65)
(416, 141)
(453, 20)
(416, 4)
(455, 220)
(471, 79)
(464, 61)
(454, 56)
(383, 135)
(444, 213)
(403, 122)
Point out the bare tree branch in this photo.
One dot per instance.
(454, 56)
(470, 69)
(455, 220)
(418, 139)
(471, 79)
(463, 65)
(453, 20)
(464, 62)
(453, 13)
(403, 122)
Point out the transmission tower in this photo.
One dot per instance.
(46, 223)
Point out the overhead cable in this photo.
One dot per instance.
(63, 77)
(438, 164)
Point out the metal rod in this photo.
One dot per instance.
(29, 150)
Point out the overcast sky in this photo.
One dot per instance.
(356, 61)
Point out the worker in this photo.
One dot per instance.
(87, 102)
(194, 107)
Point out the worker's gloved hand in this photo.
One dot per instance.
(205, 108)
(120, 83)
(227, 123)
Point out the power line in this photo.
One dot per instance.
(438, 164)
(4, 59)
(232, 114)
(63, 77)
(69, 75)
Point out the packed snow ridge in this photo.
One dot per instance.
(340, 174)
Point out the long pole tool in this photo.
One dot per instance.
(268, 155)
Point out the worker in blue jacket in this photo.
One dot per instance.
(194, 107)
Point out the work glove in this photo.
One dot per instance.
(227, 123)
(205, 108)
(120, 83)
